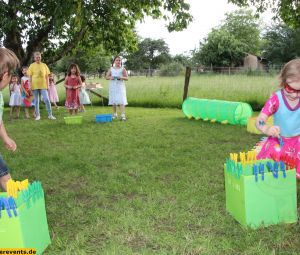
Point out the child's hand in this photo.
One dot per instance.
(10, 144)
(273, 131)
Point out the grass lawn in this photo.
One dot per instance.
(151, 185)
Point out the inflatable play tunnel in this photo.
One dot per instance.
(235, 113)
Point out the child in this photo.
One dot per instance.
(284, 137)
(52, 92)
(15, 96)
(27, 96)
(73, 83)
(117, 90)
(8, 62)
(84, 97)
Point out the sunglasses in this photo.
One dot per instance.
(289, 89)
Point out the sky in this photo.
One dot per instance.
(206, 13)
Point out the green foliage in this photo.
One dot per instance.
(281, 44)
(58, 27)
(226, 45)
(151, 54)
(287, 10)
(171, 69)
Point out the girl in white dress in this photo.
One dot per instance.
(117, 90)
(15, 96)
(84, 97)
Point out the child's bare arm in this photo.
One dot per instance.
(108, 75)
(124, 75)
(8, 142)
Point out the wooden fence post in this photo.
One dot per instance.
(186, 82)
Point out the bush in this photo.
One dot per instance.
(171, 69)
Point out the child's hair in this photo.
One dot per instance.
(8, 61)
(51, 75)
(82, 78)
(77, 69)
(114, 59)
(37, 53)
(290, 70)
(24, 67)
(14, 76)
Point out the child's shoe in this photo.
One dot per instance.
(115, 116)
(51, 117)
(38, 117)
(123, 118)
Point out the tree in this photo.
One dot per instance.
(150, 55)
(287, 10)
(281, 43)
(220, 48)
(226, 45)
(58, 27)
(245, 27)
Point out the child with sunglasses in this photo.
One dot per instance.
(284, 136)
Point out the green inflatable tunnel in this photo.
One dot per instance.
(235, 113)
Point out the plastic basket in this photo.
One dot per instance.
(236, 113)
(73, 120)
(102, 118)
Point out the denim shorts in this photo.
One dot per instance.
(3, 167)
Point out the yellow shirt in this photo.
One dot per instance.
(39, 75)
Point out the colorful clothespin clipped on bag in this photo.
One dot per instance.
(255, 172)
(269, 166)
(262, 171)
(12, 205)
(282, 168)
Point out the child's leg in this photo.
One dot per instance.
(18, 112)
(82, 108)
(75, 111)
(115, 115)
(27, 113)
(4, 174)
(11, 112)
(122, 109)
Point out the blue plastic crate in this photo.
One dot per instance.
(101, 118)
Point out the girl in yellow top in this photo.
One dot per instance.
(38, 73)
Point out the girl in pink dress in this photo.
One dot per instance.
(27, 95)
(73, 83)
(283, 142)
(52, 92)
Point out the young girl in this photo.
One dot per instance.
(84, 97)
(73, 83)
(284, 137)
(27, 96)
(52, 92)
(117, 90)
(15, 96)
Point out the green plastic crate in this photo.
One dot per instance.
(73, 120)
(263, 202)
(29, 229)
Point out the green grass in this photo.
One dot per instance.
(151, 185)
(168, 91)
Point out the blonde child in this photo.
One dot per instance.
(72, 84)
(52, 92)
(117, 90)
(27, 96)
(8, 62)
(15, 100)
(84, 97)
(284, 136)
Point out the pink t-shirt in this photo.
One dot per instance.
(271, 106)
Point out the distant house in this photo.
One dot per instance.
(253, 62)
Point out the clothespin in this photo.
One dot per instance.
(243, 157)
(239, 170)
(282, 168)
(261, 171)
(275, 173)
(12, 205)
(269, 166)
(255, 172)
(280, 141)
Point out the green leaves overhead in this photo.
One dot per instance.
(58, 27)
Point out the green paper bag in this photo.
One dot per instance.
(263, 202)
(29, 229)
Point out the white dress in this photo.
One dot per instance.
(84, 97)
(117, 89)
(15, 97)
